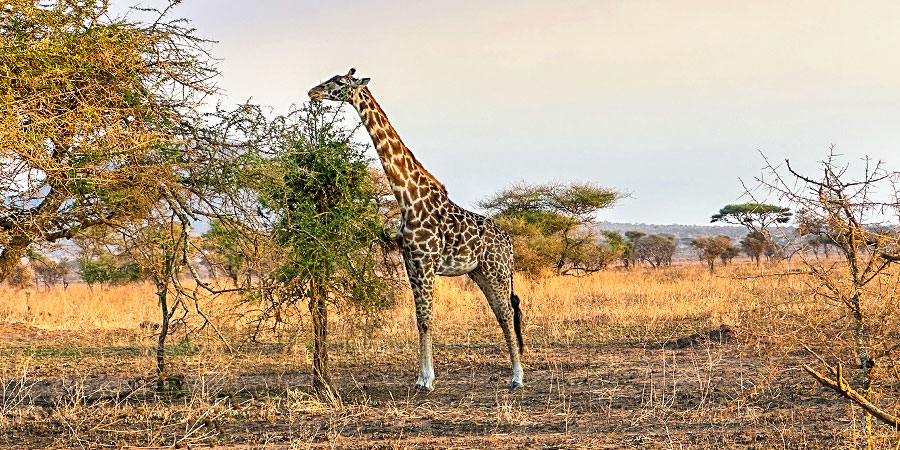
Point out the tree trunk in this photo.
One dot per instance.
(162, 295)
(12, 254)
(864, 364)
(318, 310)
(28, 230)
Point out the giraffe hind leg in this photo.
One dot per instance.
(497, 288)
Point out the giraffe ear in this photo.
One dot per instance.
(364, 81)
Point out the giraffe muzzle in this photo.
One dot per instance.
(315, 94)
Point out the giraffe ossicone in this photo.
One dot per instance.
(436, 236)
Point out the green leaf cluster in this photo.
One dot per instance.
(107, 269)
(753, 214)
(326, 217)
(550, 225)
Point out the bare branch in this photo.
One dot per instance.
(840, 386)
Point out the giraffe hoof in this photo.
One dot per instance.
(513, 385)
(423, 388)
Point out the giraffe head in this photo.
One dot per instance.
(337, 88)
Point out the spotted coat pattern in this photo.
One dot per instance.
(436, 236)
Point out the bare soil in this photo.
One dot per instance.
(691, 391)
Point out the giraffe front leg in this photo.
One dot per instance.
(425, 379)
(421, 280)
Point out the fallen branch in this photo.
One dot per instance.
(766, 275)
(845, 390)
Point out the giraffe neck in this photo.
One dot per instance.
(409, 180)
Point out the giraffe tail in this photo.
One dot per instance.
(517, 321)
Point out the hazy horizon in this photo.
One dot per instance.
(670, 102)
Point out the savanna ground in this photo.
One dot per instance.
(618, 359)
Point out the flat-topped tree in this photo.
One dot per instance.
(754, 216)
(655, 249)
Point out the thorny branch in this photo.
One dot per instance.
(842, 387)
(850, 215)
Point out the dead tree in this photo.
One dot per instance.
(860, 217)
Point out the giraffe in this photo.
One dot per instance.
(436, 236)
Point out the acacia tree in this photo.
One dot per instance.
(159, 245)
(753, 215)
(47, 270)
(758, 218)
(731, 253)
(91, 113)
(633, 237)
(754, 245)
(855, 331)
(622, 248)
(321, 204)
(711, 248)
(110, 139)
(552, 225)
(656, 250)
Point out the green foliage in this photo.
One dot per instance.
(182, 348)
(633, 236)
(52, 352)
(628, 257)
(550, 225)
(575, 201)
(656, 250)
(614, 239)
(325, 218)
(322, 204)
(711, 248)
(110, 270)
(753, 215)
(621, 248)
(754, 245)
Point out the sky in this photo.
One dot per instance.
(670, 101)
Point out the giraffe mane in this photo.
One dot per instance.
(365, 92)
(428, 174)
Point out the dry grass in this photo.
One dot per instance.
(557, 308)
(605, 305)
(80, 307)
(554, 305)
(596, 373)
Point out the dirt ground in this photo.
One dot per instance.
(680, 392)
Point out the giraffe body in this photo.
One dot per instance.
(436, 236)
